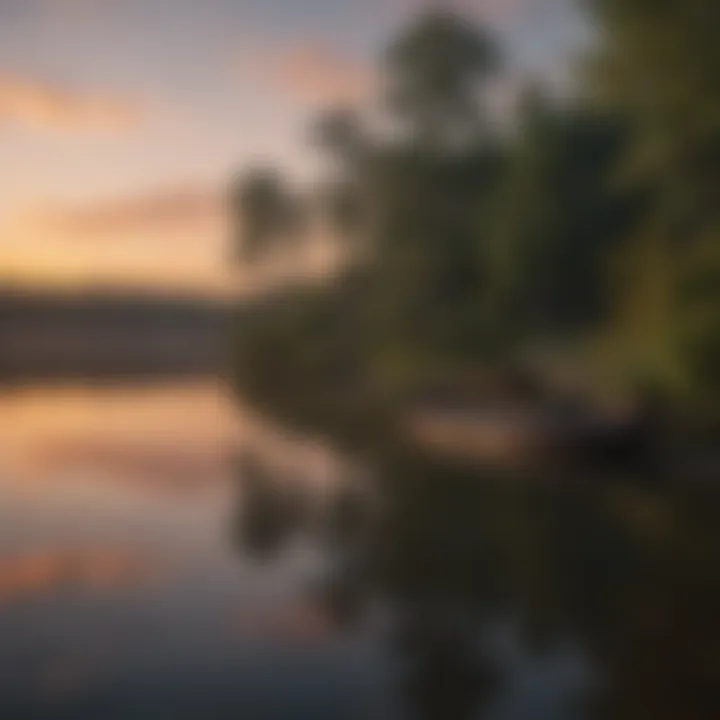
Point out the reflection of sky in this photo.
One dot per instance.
(121, 593)
(173, 439)
(129, 592)
(103, 101)
(547, 684)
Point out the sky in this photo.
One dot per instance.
(123, 121)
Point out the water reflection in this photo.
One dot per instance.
(183, 557)
(514, 598)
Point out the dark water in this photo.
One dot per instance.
(165, 553)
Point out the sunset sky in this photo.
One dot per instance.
(121, 121)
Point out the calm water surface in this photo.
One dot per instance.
(168, 553)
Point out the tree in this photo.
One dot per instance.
(435, 71)
(339, 134)
(426, 186)
(659, 65)
(267, 215)
(557, 218)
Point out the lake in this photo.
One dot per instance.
(168, 552)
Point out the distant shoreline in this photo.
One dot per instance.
(112, 334)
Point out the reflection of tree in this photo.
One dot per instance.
(347, 521)
(667, 639)
(629, 573)
(269, 512)
(447, 675)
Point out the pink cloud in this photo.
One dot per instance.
(311, 74)
(165, 216)
(46, 107)
(44, 573)
(165, 210)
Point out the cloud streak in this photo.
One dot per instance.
(41, 574)
(170, 238)
(41, 106)
(164, 216)
(310, 74)
(163, 211)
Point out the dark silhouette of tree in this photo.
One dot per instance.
(268, 217)
(588, 237)
(271, 509)
(557, 219)
(435, 70)
(658, 65)
(340, 136)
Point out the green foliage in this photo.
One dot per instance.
(557, 219)
(434, 72)
(593, 231)
(429, 275)
(659, 65)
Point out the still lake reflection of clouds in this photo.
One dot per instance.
(165, 552)
(119, 583)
